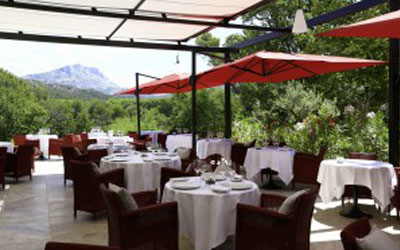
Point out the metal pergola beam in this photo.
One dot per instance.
(325, 18)
(133, 16)
(193, 81)
(394, 98)
(228, 108)
(137, 94)
(108, 43)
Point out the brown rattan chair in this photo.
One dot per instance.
(133, 134)
(21, 163)
(265, 228)
(69, 153)
(306, 167)
(36, 146)
(96, 155)
(19, 140)
(357, 229)
(55, 147)
(3, 157)
(87, 142)
(71, 140)
(363, 192)
(75, 246)
(86, 179)
(168, 173)
(162, 139)
(238, 153)
(152, 226)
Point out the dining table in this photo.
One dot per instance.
(142, 171)
(207, 213)
(379, 177)
(44, 142)
(8, 145)
(175, 141)
(279, 159)
(207, 147)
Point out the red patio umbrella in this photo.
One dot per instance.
(381, 26)
(278, 67)
(170, 84)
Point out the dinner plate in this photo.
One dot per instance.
(236, 178)
(147, 160)
(220, 189)
(241, 186)
(179, 179)
(119, 160)
(162, 159)
(219, 177)
(121, 155)
(186, 185)
(159, 153)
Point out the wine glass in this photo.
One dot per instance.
(148, 146)
(231, 167)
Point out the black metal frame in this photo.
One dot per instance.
(137, 94)
(228, 106)
(193, 80)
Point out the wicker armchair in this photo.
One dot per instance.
(357, 229)
(36, 146)
(75, 246)
(306, 167)
(238, 153)
(71, 140)
(19, 139)
(21, 163)
(87, 142)
(152, 226)
(264, 228)
(69, 154)
(2, 170)
(168, 173)
(55, 147)
(87, 196)
(363, 192)
(96, 155)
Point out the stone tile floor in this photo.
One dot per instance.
(32, 213)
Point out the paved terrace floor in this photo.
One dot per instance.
(32, 213)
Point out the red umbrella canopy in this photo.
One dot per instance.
(170, 84)
(381, 26)
(279, 67)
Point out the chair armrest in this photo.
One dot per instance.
(114, 176)
(75, 246)
(272, 200)
(82, 157)
(145, 198)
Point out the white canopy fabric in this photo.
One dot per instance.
(40, 22)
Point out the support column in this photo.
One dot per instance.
(393, 100)
(137, 92)
(228, 109)
(193, 83)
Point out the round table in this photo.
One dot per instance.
(379, 177)
(43, 141)
(208, 147)
(178, 140)
(142, 171)
(207, 218)
(8, 145)
(277, 159)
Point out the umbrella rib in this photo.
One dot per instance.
(302, 68)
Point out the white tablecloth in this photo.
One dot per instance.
(179, 140)
(208, 147)
(44, 142)
(378, 176)
(121, 140)
(278, 159)
(8, 145)
(140, 175)
(206, 218)
(153, 135)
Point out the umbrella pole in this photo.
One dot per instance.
(394, 80)
(193, 83)
(228, 109)
(137, 92)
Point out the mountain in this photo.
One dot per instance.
(77, 76)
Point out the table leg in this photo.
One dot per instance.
(354, 211)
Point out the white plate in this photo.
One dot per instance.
(220, 189)
(121, 155)
(147, 160)
(219, 177)
(162, 159)
(186, 185)
(119, 160)
(241, 186)
(179, 179)
(236, 178)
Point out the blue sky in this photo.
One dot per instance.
(118, 64)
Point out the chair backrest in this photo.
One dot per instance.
(3, 151)
(97, 154)
(19, 139)
(34, 143)
(303, 214)
(162, 139)
(363, 156)
(69, 153)
(357, 229)
(113, 210)
(84, 136)
(25, 158)
(86, 185)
